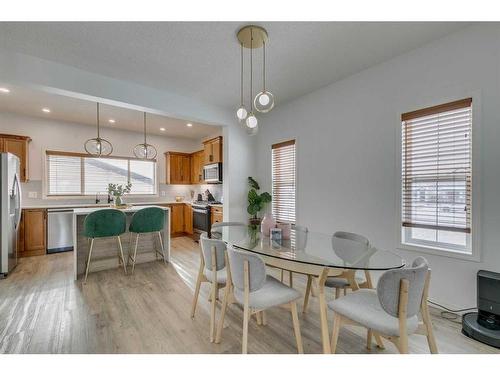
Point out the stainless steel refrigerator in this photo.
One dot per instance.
(10, 211)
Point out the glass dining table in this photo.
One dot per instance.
(317, 255)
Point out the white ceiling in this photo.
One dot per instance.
(63, 108)
(201, 59)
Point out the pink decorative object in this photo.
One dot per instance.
(286, 229)
(267, 223)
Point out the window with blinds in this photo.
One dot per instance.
(80, 174)
(437, 175)
(284, 181)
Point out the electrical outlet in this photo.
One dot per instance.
(163, 193)
(32, 194)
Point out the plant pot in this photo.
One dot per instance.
(255, 220)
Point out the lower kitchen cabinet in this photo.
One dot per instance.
(188, 219)
(33, 233)
(216, 214)
(177, 219)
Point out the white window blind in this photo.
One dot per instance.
(284, 181)
(80, 174)
(437, 167)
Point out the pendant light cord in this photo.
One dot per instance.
(241, 74)
(264, 67)
(144, 129)
(98, 137)
(251, 69)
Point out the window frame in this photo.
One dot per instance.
(430, 247)
(285, 142)
(45, 175)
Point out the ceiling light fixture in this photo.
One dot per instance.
(46, 110)
(253, 37)
(189, 125)
(98, 146)
(112, 121)
(145, 150)
(4, 90)
(162, 129)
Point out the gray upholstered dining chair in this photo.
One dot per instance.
(212, 270)
(256, 291)
(352, 245)
(392, 310)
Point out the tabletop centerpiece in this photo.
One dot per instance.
(118, 191)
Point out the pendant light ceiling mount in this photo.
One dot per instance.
(253, 37)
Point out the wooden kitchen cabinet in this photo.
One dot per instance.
(188, 219)
(197, 162)
(216, 214)
(213, 150)
(177, 219)
(34, 228)
(178, 166)
(17, 145)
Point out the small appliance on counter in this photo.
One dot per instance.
(484, 325)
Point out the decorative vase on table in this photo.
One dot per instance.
(118, 201)
(267, 223)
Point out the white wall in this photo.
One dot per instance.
(347, 148)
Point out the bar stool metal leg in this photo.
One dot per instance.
(88, 259)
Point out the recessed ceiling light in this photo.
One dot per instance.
(4, 90)
(112, 120)
(46, 110)
(162, 129)
(189, 125)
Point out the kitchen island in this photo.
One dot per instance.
(104, 254)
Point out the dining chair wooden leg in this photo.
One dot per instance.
(121, 253)
(369, 335)
(88, 259)
(197, 289)
(296, 327)
(282, 272)
(307, 293)
(264, 318)
(403, 344)
(337, 293)
(220, 324)
(337, 321)
(258, 317)
(345, 291)
(323, 312)
(378, 340)
(314, 287)
(162, 247)
(246, 318)
(431, 340)
(213, 304)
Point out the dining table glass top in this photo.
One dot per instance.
(311, 248)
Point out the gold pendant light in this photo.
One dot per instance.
(98, 146)
(253, 37)
(145, 150)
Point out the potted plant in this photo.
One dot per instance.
(256, 201)
(117, 191)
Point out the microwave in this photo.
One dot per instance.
(212, 173)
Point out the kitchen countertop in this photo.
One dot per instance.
(101, 205)
(86, 211)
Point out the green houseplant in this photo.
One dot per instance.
(117, 191)
(256, 201)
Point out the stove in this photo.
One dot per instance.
(201, 217)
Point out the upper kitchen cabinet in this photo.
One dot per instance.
(213, 150)
(178, 166)
(17, 145)
(197, 162)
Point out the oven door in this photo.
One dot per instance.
(201, 220)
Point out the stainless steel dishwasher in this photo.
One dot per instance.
(60, 230)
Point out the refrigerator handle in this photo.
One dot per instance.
(18, 199)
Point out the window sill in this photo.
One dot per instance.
(473, 257)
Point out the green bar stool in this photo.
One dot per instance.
(147, 220)
(103, 224)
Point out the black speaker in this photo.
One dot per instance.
(484, 325)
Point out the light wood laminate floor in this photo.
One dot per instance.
(42, 310)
